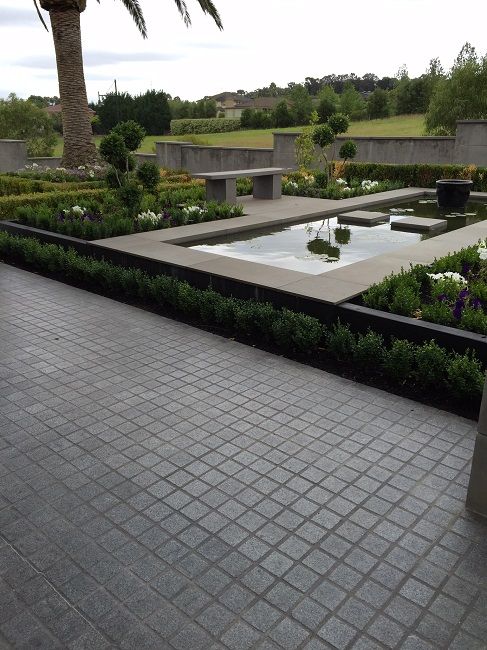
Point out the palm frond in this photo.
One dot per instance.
(209, 8)
(183, 10)
(206, 5)
(40, 15)
(134, 9)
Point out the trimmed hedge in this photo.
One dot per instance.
(8, 204)
(415, 175)
(401, 362)
(15, 185)
(209, 125)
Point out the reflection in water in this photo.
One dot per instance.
(323, 245)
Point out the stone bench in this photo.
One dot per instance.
(222, 186)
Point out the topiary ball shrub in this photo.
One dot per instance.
(323, 136)
(338, 123)
(131, 132)
(348, 150)
(148, 175)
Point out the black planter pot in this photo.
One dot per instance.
(453, 192)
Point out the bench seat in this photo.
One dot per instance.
(222, 186)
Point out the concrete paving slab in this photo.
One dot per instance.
(363, 218)
(419, 224)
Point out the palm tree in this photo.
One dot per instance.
(79, 147)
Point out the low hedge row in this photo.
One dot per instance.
(403, 363)
(15, 185)
(416, 175)
(209, 125)
(8, 204)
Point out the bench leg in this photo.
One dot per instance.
(268, 187)
(222, 190)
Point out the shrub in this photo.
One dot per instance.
(341, 342)
(8, 204)
(348, 150)
(465, 376)
(148, 175)
(437, 312)
(405, 301)
(199, 126)
(474, 320)
(431, 364)
(297, 331)
(369, 350)
(339, 123)
(399, 360)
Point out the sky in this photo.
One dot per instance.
(263, 41)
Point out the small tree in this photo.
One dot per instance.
(348, 150)
(305, 147)
(117, 149)
(324, 136)
(378, 104)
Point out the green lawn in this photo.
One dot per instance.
(399, 125)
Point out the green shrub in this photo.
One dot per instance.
(208, 125)
(437, 312)
(15, 185)
(348, 150)
(419, 175)
(8, 204)
(465, 376)
(474, 320)
(341, 342)
(297, 331)
(148, 175)
(405, 301)
(369, 350)
(431, 365)
(339, 123)
(399, 360)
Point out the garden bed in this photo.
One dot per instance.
(425, 372)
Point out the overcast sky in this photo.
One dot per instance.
(262, 41)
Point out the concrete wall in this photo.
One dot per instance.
(194, 159)
(471, 142)
(468, 147)
(52, 163)
(13, 155)
(398, 151)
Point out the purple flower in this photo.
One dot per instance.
(457, 309)
(466, 267)
(442, 297)
(476, 303)
(463, 294)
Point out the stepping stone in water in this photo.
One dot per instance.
(363, 218)
(419, 224)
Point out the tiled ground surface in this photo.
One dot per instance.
(161, 487)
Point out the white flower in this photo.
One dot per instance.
(368, 184)
(291, 185)
(341, 181)
(78, 210)
(346, 189)
(448, 275)
(193, 210)
(149, 216)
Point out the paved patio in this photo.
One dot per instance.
(161, 487)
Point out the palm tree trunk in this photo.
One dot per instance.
(79, 146)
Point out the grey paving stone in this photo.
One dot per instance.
(184, 491)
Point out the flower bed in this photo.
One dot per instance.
(452, 291)
(400, 363)
(316, 185)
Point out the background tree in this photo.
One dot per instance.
(461, 95)
(378, 104)
(328, 103)
(79, 147)
(23, 120)
(301, 104)
(352, 103)
(281, 115)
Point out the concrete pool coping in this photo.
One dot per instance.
(330, 288)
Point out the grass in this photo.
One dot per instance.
(399, 125)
